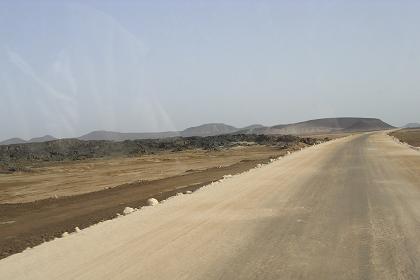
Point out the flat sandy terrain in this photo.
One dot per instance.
(410, 136)
(72, 178)
(29, 223)
(346, 209)
(333, 135)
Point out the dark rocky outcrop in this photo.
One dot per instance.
(74, 149)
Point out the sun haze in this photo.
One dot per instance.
(136, 66)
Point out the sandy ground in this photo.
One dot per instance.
(332, 135)
(29, 224)
(73, 178)
(410, 136)
(347, 209)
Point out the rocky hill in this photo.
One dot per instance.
(327, 125)
(45, 138)
(12, 141)
(210, 129)
(412, 125)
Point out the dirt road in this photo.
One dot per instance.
(347, 209)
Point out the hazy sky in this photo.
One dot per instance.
(68, 67)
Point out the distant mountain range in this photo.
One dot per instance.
(318, 126)
(118, 136)
(12, 141)
(412, 125)
(210, 129)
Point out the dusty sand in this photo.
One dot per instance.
(78, 177)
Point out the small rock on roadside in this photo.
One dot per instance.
(152, 202)
(128, 210)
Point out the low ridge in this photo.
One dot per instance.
(210, 129)
(326, 125)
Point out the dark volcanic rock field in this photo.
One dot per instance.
(13, 156)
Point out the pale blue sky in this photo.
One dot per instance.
(67, 68)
